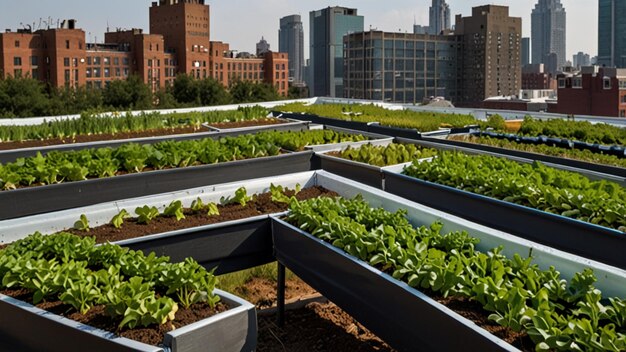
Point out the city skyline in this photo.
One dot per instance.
(263, 17)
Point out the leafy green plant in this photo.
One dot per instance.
(82, 224)
(533, 185)
(146, 214)
(279, 194)
(515, 293)
(118, 219)
(199, 206)
(391, 154)
(175, 209)
(241, 197)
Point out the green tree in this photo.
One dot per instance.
(250, 92)
(212, 92)
(185, 90)
(129, 94)
(22, 97)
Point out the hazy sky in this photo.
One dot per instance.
(242, 22)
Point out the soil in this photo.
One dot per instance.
(100, 137)
(96, 317)
(262, 292)
(316, 327)
(249, 123)
(261, 204)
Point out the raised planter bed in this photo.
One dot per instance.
(37, 200)
(404, 317)
(33, 329)
(14, 154)
(251, 126)
(591, 170)
(581, 238)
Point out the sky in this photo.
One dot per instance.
(242, 22)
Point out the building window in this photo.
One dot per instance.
(606, 83)
(116, 61)
(96, 72)
(75, 62)
(35, 73)
(17, 61)
(561, 82)
(34, 60)
(125, 61)
(88, 73)
(17, 72)
(67, 76)
(107, 60)
(149, 62)
(125, 72)
(66, 61)
(107, 72)
(118, 72)
(623, 99)
(577, 82)
(96, 61)
(67, 44)
(17, 43)
(89, 60)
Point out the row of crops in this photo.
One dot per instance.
(540, 307)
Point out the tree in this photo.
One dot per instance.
(185, 91)
(129, 94)
(250, 92)
(22, 97)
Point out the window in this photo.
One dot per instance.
(88, 73)
(67, 44)
(125, 61)
(66, 61)
(34, 60)
(125, 72)
(149, 62)
(107, 60)
(89, 60)
(606, 83)
(35, 73)
(67, 76)
(96, 72)
(17, 72)
(17, 61)
(577, 82)
(116, 61)
(107, 72)
(96, 61)
(561, 82)
(118, 72)
(17, 43)
(75, 62)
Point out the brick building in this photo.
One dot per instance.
(179, 42)
(599, 91)
(534, 76)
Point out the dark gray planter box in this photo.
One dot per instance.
(585, 239)
(27, 328)
(7, 156)
(43, 199)
(405, 318)
(581, 165)
(226, 247)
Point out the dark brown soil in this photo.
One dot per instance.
(261, 204)
(249, 123)
(317, 327)
(262, 292)
(97, 318)
(100, 137)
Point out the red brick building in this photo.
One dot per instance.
(179, 42)
(534, 76)
(594, 90)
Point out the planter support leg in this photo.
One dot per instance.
(280, 295)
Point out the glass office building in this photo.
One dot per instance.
(400, 67)
(327, 28)
(612, 33)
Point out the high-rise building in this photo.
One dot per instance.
(612, 33)
(581, 59)
(327, 28)
(490, 63)
(548, 32)
(400, 67)
(291, 41)
(525, 51)
(262, 47)
(439, 19)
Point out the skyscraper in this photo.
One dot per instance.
(581, 59)
(291, 41)
(327, 28)
(612, 33)
(439, 18)
(548, 21)
(262, 47)
(525, 51)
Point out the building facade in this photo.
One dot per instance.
(489, 54)
(525, 51)
(291, 41)
(612, 33)
(534, 77)
(262, 47)
(439, 17)
(581, 59)
(400, 67)
(599, 91)
(179, 42)
(327, 28)
(548, 32)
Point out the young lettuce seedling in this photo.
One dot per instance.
(82, 224)
(146, 214)
(118, 219)
(175, 209)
